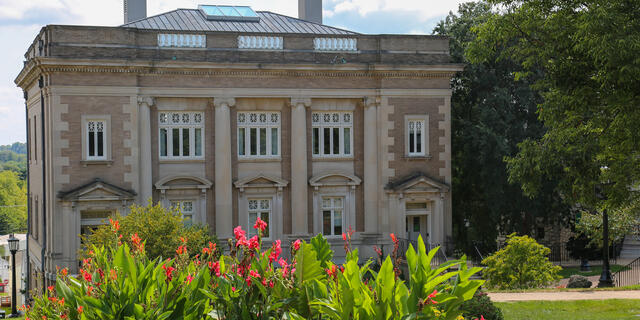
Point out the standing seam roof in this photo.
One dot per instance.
(194, 20)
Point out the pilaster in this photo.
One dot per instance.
(144, 132)
(371, 179)
(223, 178)
(299, 174)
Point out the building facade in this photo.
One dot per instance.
(312, 128)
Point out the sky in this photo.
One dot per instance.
(21, 20)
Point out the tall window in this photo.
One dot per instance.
(259, 208)
(416, 137)
(96, 140)
(35, 139)
(332, 215)
(258, 134)
(186, 209)
(332, 134)
(181, 135)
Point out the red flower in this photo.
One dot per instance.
(239, 233)
(344, 237)
(393, 238)
(254, 243)
(181, 250)
(80, 309)
(50, 288)
(168, 272)
(215, 267)
(260, 225)
(276, 250)
(331, 271)
(431, 296)
(296, 244)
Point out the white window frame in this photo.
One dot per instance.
(186, 208)
(322, 120)
(181, 120)
(332, 208)
(89, 121)
(423, 120)
(258, 120)
(259, 210)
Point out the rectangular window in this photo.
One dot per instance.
(416, 137)
(259, 208)
(331, 134)
(96, 140)
(185, 207)
(332, 215)
(258, 134)
(181, 135)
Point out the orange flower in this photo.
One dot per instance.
(80, 309)
(393, 237)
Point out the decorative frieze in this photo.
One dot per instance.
(335, 44)
(260, 42)
(182, 40)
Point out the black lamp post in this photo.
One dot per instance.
(14, 243)
(606, 280)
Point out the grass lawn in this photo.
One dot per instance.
(595, 271)
(571, 310)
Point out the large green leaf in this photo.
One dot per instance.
(323, 250)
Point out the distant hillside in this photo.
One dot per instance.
(14, 158)
(17, 147)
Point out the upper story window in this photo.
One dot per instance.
(332, 215)
(96, 140)
(258, 134)
(416, 141)
(186, 209)
(259, 208)
(181, 135)
(175, 40)
(332, 134)
(335, 44)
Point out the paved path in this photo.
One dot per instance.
(564, 295)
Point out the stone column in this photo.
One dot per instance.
(299, 173)
(371, 181)
(144, 132)
(223, 183)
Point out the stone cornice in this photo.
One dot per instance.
(206, 69)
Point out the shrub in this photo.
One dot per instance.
(521, 264)
(480, 306)
(121, 282)
(161, 228)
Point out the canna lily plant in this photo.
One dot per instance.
(120, 282)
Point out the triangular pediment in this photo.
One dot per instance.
(261, 181)
(97, 190)
(334, 179)
(418, 183)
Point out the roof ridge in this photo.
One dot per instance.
(311, 22)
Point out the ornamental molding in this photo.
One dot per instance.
(372, 101)
(224, 101)
(34, 69)
(149, 101)
(296, 101)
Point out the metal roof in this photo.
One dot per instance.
(194, 20)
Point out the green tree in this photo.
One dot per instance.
(162, 229)
(588, 52)
(13, 203)
(521, 264)
(491, 114)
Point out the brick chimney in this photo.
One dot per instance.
(134, 10)
(310, 10)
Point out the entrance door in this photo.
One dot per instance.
(416, 226)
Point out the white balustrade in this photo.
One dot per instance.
(182, 40)
(260, 42)
(335, 44)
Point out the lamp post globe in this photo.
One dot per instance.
(14, 245)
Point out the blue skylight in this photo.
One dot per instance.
(233, 13)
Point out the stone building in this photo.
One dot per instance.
(233, 114)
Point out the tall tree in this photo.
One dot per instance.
(491, 114)
(13, 203)
(589, 53)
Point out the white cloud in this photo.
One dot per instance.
(423, 9)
